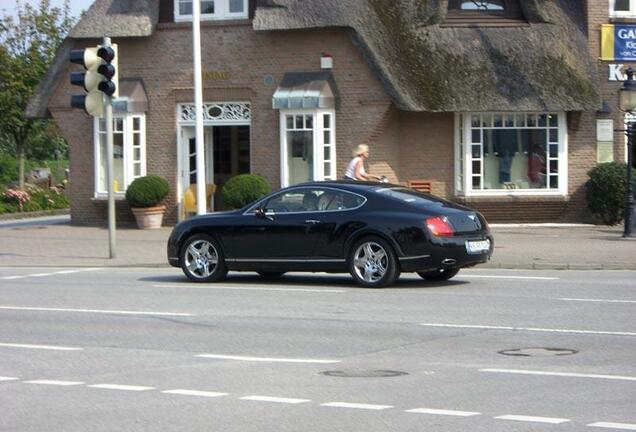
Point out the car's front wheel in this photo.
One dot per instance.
(202, 259)
(441, 274)
(372, 263)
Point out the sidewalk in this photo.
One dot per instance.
(52, 242)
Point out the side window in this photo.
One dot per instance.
(313, 200)
(330, 200)
(288, 202)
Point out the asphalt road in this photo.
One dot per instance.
(144, 350)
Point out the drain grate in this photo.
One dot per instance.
(538, 352)
(362, 373)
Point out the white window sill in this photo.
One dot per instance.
(517, 192)
(119, 196)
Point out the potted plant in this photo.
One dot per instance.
(144, 196)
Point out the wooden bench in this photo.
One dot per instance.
(425, 186)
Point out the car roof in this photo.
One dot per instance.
(352, 185)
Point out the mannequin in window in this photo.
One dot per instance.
(505, 146)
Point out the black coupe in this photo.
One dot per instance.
(372, 230)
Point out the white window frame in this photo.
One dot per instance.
(465, 166)
(622, 14)
(128, 151)
(221, 12)
(318, 144)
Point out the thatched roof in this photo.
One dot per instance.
(543, 66)
(118, 18)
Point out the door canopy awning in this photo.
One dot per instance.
(132, 97)
(306, 90)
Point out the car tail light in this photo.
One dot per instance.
(439, 226)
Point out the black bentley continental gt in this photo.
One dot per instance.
(374, 231)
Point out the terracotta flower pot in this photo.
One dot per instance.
(150, 217)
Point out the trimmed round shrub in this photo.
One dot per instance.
(605, 192)
(147, 191)
(244, 189)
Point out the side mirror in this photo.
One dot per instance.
(264, 213)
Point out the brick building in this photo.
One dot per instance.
(494, 102)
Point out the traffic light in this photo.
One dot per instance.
(100, 77)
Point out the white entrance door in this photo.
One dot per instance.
(188, 151)
(308, 149)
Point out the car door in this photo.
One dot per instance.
(286, 231)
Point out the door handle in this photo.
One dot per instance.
(312, 221)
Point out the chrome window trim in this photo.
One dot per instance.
(251, 210)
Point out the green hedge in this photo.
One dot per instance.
(605, 192)
(244, 189)
(147, 191)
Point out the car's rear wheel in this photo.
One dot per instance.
(202, 259)
(270, 274)
(372, 263)
(440, 274)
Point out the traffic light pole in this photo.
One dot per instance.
(110, 150)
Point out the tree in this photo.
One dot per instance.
(28, 43)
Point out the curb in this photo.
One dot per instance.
(33, 215)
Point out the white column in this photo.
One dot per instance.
(198, 102)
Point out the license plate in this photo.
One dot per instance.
(477, 247)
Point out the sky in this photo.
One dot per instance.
(76, 5)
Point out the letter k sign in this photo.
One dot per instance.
(615, 72)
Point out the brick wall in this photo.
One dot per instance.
(404, 145)
(164, 63)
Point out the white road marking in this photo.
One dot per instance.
(120, 387)
(42, 347)
(597, 300)
(4, 378)
(443, 412)
(486, 327)
(194, 393)
(62, 272)
(607, 425)
(533, 419)
(562, 374)
(98, 311)
(266, 359)
(509, 277)
(53, 382)
(275, 399)
(356, 405)
(248, 288)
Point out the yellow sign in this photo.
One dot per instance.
(215, 76)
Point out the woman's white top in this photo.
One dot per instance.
(350, 173)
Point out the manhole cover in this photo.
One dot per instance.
(361, 373)
(538, 352)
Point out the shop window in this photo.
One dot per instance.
(212, 9)
(486, 12)
(129, 140)
(622, 8)
(511, 153)
(308, 146)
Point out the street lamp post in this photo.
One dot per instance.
(627, 100)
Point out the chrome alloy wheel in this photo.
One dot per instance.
(201, 259)
(370, 262)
